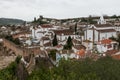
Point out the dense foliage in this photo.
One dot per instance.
(52, 54)
(12, 71)
(9, 72)
(16, 40)
(103, 69)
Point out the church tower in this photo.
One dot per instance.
(101, 20)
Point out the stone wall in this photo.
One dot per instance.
(15, 48)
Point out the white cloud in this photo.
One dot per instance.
(28, 9)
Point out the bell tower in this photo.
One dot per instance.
(101, 20)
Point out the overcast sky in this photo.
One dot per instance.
(28, 9)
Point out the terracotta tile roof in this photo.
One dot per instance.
(79, 47)
(46, 26)
(106, 30)
(76, 41)
(87, 41)
(21, 33)
(64, 31)
(81, 52)
(103, 25)
(106, 41)
(48, 44)
(45, 38)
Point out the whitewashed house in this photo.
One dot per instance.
(105, 45)
(39, 32)
(63, 34)
(66, 54)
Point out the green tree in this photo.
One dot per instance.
(9, 73)
(16, 41)
(18, 58)
(52, 54)
(90, 20)
(84, 20)
(69, 43)
(75, 28)
(114, 16)
(55, 42)
(41, 17)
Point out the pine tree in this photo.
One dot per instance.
(69, 43)
(75, 28)
(55, 42)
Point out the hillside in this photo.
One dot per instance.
(9, 21)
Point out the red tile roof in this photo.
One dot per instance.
(46, 26)
(45, 38)
(103, 25)
(76, 41)
(65, 32)
(79, 47)
(48, 44)
(19, 34)
(81, 52)
(106, 41)
(116, 57)
(106, 30)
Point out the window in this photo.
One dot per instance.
(103, 37)
(109, 46)
(89, 38)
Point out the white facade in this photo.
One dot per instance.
(64, 37)
(105, 47)
(89, 35)
(98, 35)
(39, 32)
(100, 31)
